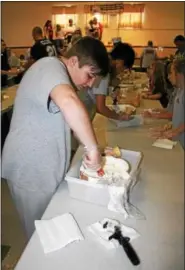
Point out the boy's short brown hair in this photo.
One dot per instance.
(91, 52)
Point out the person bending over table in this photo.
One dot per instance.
(158, 89)
(36, 153)
(122, 56)
(176, 129)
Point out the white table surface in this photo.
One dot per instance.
(10, 93)
(159, 195)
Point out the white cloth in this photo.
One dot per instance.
(119, 197)
(103, 234)
(164, 143)
(58, 232)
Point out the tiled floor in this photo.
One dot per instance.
(11, 232)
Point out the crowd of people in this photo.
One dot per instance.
(37, 150)
(49, 41)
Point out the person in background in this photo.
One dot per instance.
(69, 30)
(43, 47)
(36, 153)
(164, 113)
(5, 67)
(158, 89)
(6, 70)
(99, 27)
(22, 60)
(59, 40)
(14, 61)
(74, 39)
(148, 56)
(92, 30)
(179, 42)
(77, 35)
(59, 33)
(122, 57)
(27, 54)
(48, 30)
(116, 41)
(78, 31)
(176, 129)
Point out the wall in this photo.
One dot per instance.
(163, 21)
(18, 19)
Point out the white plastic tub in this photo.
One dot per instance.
(96, 193)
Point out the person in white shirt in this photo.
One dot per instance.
(148, 56)
(70, 29)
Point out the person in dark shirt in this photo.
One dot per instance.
(43, 47)
(5, 67)
(179, 42)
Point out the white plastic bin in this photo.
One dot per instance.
(96, 193)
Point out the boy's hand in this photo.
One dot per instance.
(92, 159)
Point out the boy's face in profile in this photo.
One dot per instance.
(82, 77)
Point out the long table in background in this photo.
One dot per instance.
(159, 196)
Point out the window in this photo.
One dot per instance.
(62, 14)
(63, 19)
(102, 18)
(132, 17)
(133, 20)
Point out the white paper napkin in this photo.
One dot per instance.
(164, 143)
(103, 234)
(58, 232)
